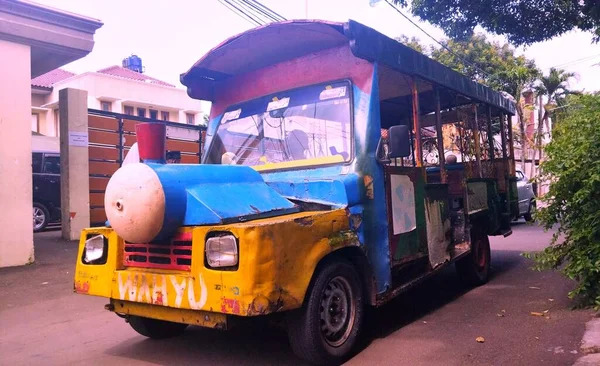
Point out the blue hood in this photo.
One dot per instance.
(216, 194)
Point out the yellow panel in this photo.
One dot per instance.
(277, 258)
(199, 318)
(300, 163)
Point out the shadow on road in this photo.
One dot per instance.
(250, 344)
(257, 343)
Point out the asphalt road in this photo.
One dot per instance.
(42, 322)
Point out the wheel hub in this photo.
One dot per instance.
(38, 217)
(337, 311)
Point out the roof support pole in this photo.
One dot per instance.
(477, 141)
(416, 122)
(440, 136)
(511, 145)
(489, 132)
(503, 136)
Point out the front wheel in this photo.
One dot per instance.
(154, 328)
(474, 269)
(325, 330)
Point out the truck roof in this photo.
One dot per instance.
(277, 42)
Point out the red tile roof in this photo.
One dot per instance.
(130, 74)
(48, 79)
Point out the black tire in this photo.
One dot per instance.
(474, 269)
(156, 329)
(40, 217)
(336, 285)
(529, 215)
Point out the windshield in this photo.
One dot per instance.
(310, 125)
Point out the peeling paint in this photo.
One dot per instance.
(369, 191)
(231, 306)
(343, 239)
(82, 287)
(304, 221)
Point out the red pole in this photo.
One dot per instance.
(151, 140)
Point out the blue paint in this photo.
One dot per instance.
(321, 185)
(215, 194)
(375, 220)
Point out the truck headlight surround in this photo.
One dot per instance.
(95, 250)
(221, 251)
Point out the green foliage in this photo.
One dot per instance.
(497, 64)
(523, 22)
(412, 42)
(573, 201)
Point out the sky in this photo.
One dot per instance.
(170, 36)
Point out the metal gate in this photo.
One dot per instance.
(111, 135)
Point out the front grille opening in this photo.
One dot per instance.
(155, 250)
(137, 258)
(135, 250)
(184, 261)
(176, 254)
(160, 260)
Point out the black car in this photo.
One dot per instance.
(46, 189)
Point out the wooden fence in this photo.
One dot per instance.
(111, 135)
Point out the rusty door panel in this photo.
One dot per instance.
(97, 199)
(190, 159)
(183, 146)
(103, 168)
(103, 137)
(103, 153)
(105, 123)
(97, 216)
(98, 183)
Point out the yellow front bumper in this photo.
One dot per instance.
(277, 258)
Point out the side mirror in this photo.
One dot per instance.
(399, 141)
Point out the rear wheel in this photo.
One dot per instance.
(154, 328)
(325, 330)
(474, 269)
(40, 217)
(529, 215)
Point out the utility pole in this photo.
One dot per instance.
(306, 9)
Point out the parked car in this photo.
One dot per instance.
(526, 192)
(46, 189)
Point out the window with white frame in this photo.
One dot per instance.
(189, 119)
(35, 122)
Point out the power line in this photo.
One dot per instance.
(252, 11)
(240, 12)
(271, 13)
(262, 17)
(576, 61)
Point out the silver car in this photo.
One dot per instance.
(526, 192)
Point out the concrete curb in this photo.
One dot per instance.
(589, 360)
(590, 344)
(591, 337)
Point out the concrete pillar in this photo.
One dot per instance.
(74, 162)
(16, 222)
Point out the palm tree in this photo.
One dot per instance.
(516, 80)
(554, 87)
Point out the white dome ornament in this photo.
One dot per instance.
(228, 158)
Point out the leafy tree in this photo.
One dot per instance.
(573, 200)
(523, 22)
(554, 87)
(412, 42)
